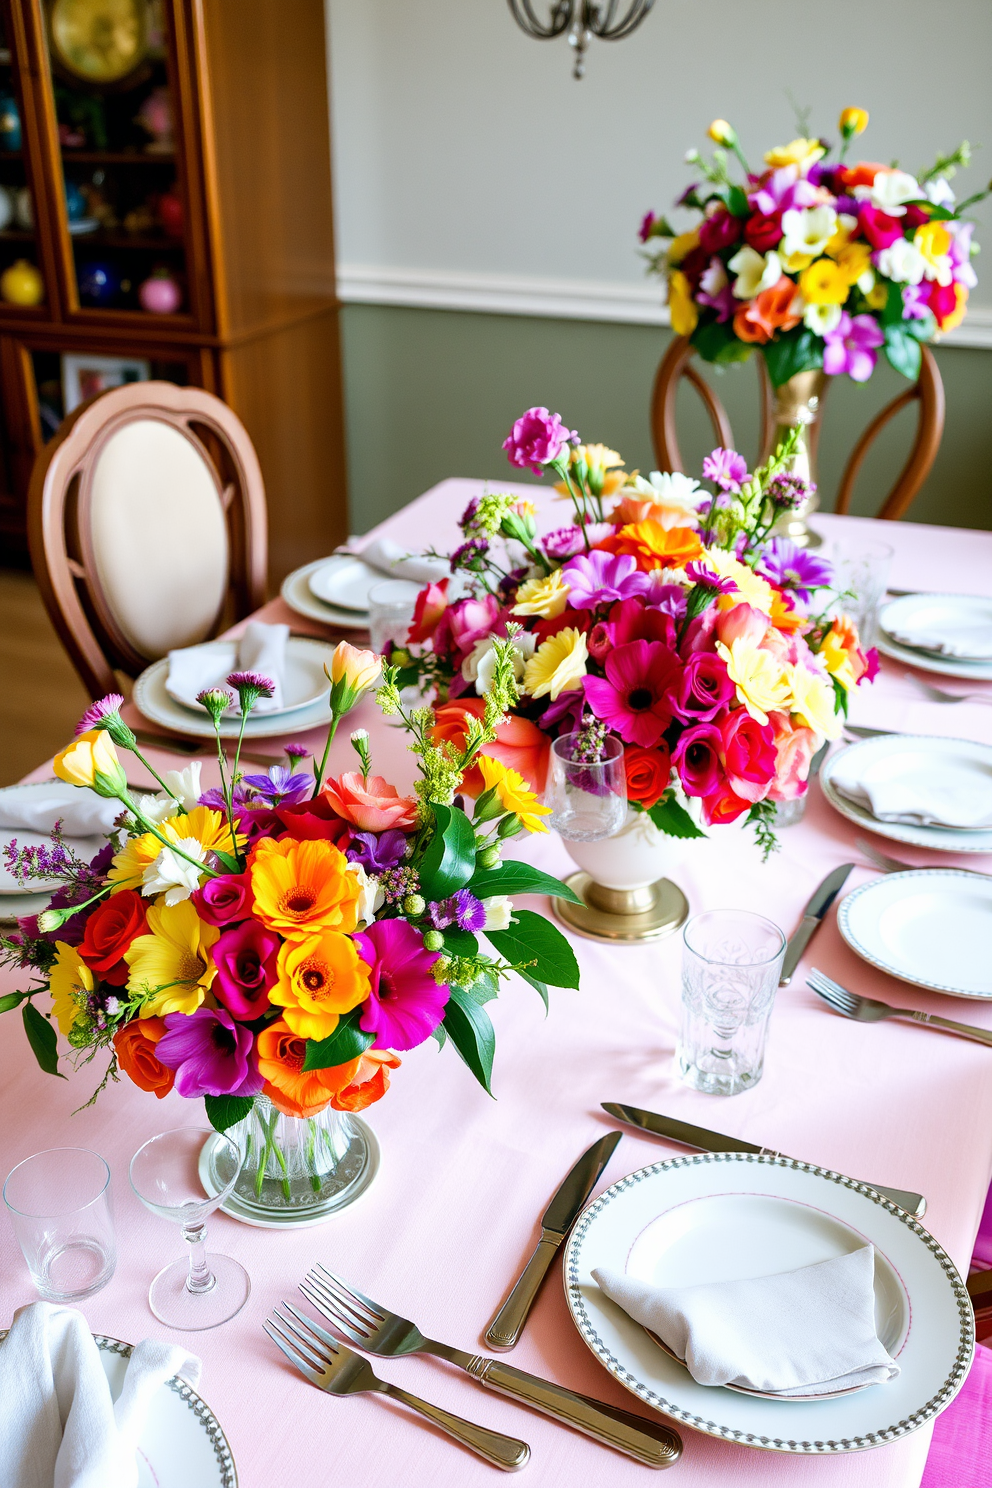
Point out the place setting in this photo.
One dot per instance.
(350, 588)
(944, 633)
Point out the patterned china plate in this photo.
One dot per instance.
(297, 594)
(931, 928)
(721, 1216)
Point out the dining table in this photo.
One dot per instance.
(453, 1212)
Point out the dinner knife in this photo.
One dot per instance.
(820, 901)
(559, 1217)
(710, 1141)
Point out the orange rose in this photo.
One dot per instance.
(648, 773)
(862, 174)
(768, 312)
(135, 1045)
(370, 804)
(370, 1083)
(519, 744)
(655, 546)
(632, 509)
(292, 1090)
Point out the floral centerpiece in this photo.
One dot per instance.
(284, 939)
(664, 613)
(818, 261)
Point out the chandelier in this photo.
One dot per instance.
(582, 19)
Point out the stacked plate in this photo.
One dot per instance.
(16, 900)
(947, 633)
(333, 590)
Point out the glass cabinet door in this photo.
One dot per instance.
(22, 283)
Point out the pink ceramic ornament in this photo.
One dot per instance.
(161, 294)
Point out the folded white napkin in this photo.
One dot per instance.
(61, 1427)
(922, 797)
(36, 808)
(261, 648)
(390, 558)
(967, 637)
(805, 1332)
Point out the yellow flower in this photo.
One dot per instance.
(846, 225)
(837, 660)
(854, 260)
(761, 679)
(751, 587)
(320, 978)
(171, 968)
(824, 283)
(794, 263)
(303, 888)
(814, 702)
(681, 306)
(557, 666)
(934, 242)
(801, 152)
(722, 133)
(683, 244)
(350, 673)
(877, 296)
(202, 824)
(545, 597)
(852, 121)
(70, 982)
(92, 760)
(514, 793)
(597, 456)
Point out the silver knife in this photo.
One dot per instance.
(710, 1141)
(559, 1217)
(820, 901)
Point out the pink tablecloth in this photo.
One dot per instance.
(452, 1214)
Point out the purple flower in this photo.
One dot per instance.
(960, 253)
(537, 438)
(646, 228)
(405, 1003)
(916, 301)
(784, 188)
(707, 579)
(211, 1054)
(565, 713)
(794, 568)
(261, 686)
(469, 514)
(852, 347)
(726, 468)
(788, 492)
(98, 711)
(280, 787)
(295, 752)
(470, 554)
(601, 578)
(661, 595)
(245, 957)
(462, 909)
(375, 853)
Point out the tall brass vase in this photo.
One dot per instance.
(799, 402)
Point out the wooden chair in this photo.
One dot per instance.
(928, 391)
(147, 527)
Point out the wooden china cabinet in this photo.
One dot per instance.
(165, 201)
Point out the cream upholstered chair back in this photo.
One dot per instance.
(146, 518)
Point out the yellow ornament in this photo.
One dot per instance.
(22, 284)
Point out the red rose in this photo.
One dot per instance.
(315, 818)
(761, 232)
(648, 772)
(110, 929)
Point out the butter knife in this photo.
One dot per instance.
(710, 1141)
(559, 1217)
(820, 901)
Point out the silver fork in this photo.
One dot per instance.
(940, 695)
(330, 1366)
(387, 1334)
(896, 865)
(867, 1010)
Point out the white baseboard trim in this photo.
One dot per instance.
(554, 299)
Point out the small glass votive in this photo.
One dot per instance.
(788, 813)
(861, 574)
(59, 1205)
(391, 606)
(587, 795)
(731, 964)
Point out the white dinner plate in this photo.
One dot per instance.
(304, 685)
(931, 927)
(14, 907)
(305, 660)
(727, 1215)
(960, 615)
(912, 752)
(11, 888)
(296, 592)
(182, 1444)
(344, 581)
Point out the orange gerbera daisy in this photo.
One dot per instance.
(319, 978)
(291, 1089)
(303, 888)
(655, 546)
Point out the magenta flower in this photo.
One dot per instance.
(646, 229)
(211, 1054)
(563, 543)
(224, 900)
(631, 620)
(749, 755)
(726, 468)
(852, 347)
(705, 689)
(697, 760)
(960, 253)
(245, 957)
(879, 228)
(259, 685)
(635, 696)
(537, 438)
(706, 578)
(793, 568)
(565, 714)
(783, 188)
(598, 578)
(405, 1004)
(98, 711)
(464, 623)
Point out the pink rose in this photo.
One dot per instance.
(742, 623)
(794, 748)
(879, 228)
(370, 804)
(787, 648)
(748, 755)
(697, 760)
(536, 438)
(462, 624)
(430, 606)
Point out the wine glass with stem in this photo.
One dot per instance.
(167, 1174)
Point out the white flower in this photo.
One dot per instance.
(371, 895)
(891, 188)
(480, 664)
(673, 488)
(902, 262)
(499, 912)
(755, 271)
(155, 809)
(172, 875)
(185, 787)
(939, 192)
(807, 231)
(714, 277)
(821, 318)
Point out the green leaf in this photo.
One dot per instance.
(672, 819)
(11, 1001)
(903, 351)
(737, 202)
(347, 1041)
(460, 942)
(716, 342)
(533, 940)
(796, 351)
(538, 986)
(449, 861)
(439, 1034)
(484, 989)
(892, 310)
(228, 862)
(226, 1110)
(923, 327)
(42, 1038)
(469, 1029)
(514, 877)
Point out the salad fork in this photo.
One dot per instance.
(330, 1366)
(896, 865)
(867, 1010)
(385, 1333)
(940, 695)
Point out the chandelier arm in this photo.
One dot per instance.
(633, 18)
(557, 23)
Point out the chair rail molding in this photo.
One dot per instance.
(553, 299)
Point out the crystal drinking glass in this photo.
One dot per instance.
(587, 796)
(861, 573)
(731, 963)
(207, 1289)
(391, 606)
(59, 1204)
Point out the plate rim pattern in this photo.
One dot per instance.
(843, 925)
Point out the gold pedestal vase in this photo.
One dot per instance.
(626, 896)
(798, 403)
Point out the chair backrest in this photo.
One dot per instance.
(147, 527)
(928, 391)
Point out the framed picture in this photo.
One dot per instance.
(83, 375)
